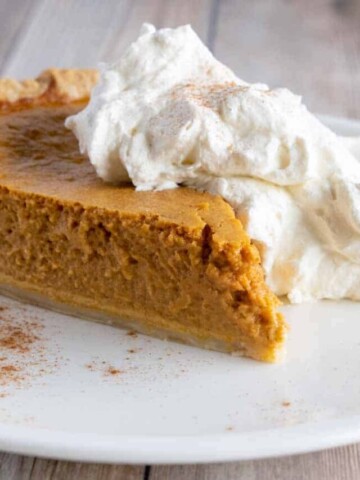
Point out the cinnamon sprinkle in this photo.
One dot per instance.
(112, 371)
(19, 341)
(17, 337)
(132, 333)
(10, 373)
(105, 368)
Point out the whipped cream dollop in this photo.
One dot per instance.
(168, 113)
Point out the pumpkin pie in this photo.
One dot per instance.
(176, 264)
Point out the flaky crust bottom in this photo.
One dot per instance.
(52, 86)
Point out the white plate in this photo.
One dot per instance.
(177, 404)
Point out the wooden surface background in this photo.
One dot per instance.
(310, 46)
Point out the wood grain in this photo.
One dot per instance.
(14, 17)
(65, 34)
(52, 470)
(81, 34)
(161, 13)
(311, 46)
(16, 467)
(336, 464)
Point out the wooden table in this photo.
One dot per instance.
(311, 46)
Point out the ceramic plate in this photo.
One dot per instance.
(72, 389)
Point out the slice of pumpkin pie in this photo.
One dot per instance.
(175, 264)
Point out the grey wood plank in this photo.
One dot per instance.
(309, 46)
(54, 470)
(17, 467)
(65, 34)
(14, 16)
(81, 33)
(162, 13)
(335, 464)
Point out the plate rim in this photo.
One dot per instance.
(186, 449)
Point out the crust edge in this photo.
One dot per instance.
(51, 86)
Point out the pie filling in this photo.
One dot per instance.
(175, 263)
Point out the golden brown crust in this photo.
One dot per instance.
(52, 86)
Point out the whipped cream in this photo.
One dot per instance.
(169, 113)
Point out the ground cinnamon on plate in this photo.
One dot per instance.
(103, 367)
(18, 337)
